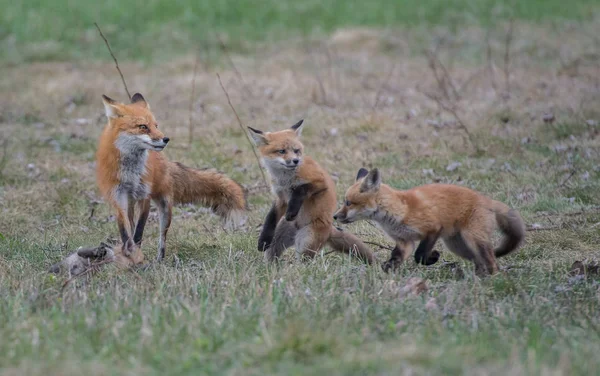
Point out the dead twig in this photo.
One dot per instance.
(489, 62)
(452, 110)
(383, 83)
(379, 245)
(542, 228)
(507, 43)
(192, 95)
(243, 130)
(115, 59)
(235, 70)
(565, 181)
(93, 268)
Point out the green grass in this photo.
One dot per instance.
(34, 30)
(219, 309)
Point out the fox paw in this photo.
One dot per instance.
(391, 265)
(128, 248)
(430, 260)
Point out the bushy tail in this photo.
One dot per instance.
(345, 242)
(209, 188)
(512, 226)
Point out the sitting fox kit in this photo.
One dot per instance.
(131, 172)
(302, 214)
(463, 218)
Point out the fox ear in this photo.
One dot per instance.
(111, 107)
(139, 100)
(298, 127)
(372, 182)
(362, 173)
(257, 136)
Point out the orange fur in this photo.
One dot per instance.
(463, 218)
(131, 172)
(310, 226)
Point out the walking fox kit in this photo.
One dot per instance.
(131, 171)
(302, 214)
(463, 218)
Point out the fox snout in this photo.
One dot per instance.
(340, 215)
(292, 162)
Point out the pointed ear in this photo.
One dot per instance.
(139, 100)
(257, 136)
(298, 127)
(362, 173)
(111, 107)
(372, 181)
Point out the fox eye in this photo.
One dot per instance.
(281, 151)
(348, 203)
(297, 151)
(156, 126)
(143, 127)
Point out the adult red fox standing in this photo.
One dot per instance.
(131, 171)
(305, 194)
(463, 218)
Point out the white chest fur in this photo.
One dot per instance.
(131, 170)
(394, 227)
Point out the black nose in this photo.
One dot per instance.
(295, 160)
(335, 217)
(166, 140)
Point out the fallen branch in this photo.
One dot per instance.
(379, 245)
(91, 269)
(115, 59)
(243, 130)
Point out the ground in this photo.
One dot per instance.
(509, 108)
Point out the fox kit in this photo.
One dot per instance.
(85, 259)
(463, 218)
(302, 214)
(131, 171)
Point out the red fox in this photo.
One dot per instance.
(463, 218)
(131, 171)
(85, 259)
(305, 196)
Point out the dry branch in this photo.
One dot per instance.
(115, 59)
(243, 129)
(192, 95)
(507, 43)
(237, 72)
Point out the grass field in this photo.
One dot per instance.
(520, 126)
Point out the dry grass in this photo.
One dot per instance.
(361, 94)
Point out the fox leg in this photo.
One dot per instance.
(399, 255)
(424, 254)
(144, 208)
(282, 240)
(479, 251)
(121, 204)
(269, 226)
(164, 220)
(310, 240)
(299, 194)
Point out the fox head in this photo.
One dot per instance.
(281, 150)
(134, 124)
(361, 198)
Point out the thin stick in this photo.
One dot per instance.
(192, 95)
(237, 72)
(243, 129)
(509, 37)
(115, 59)
(488, 57)
(91, 269)
(383, 83)
(378, 245)
(454, 113)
